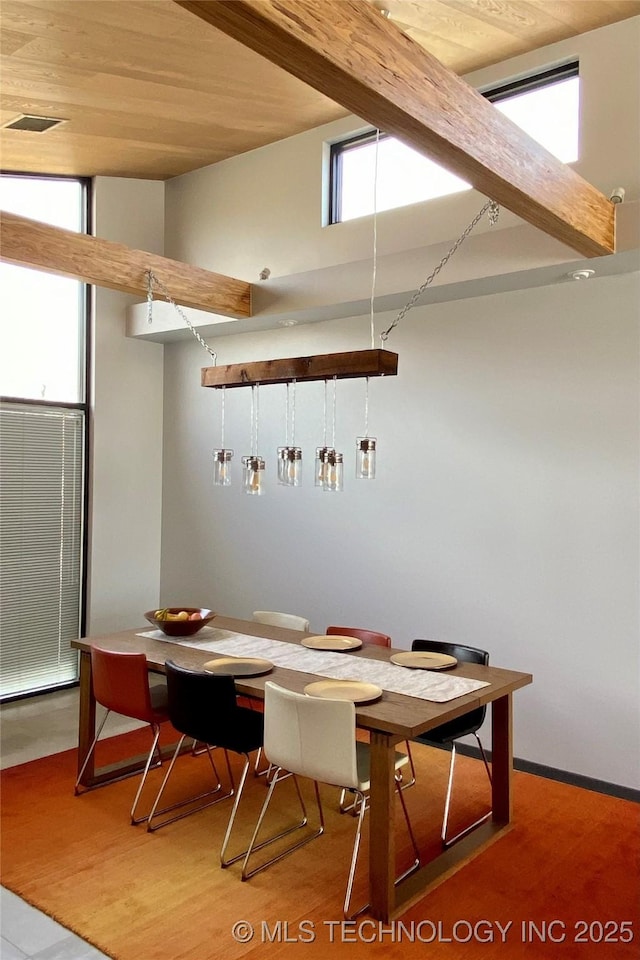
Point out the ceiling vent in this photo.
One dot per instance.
(33, 124)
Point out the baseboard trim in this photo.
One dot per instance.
(29, 695)
(563, 776)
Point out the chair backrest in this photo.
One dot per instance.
(204, 706)
(121, 683)
(274, 619)
(458, 650)
(312, 737)
(367, 636)
(468, 722)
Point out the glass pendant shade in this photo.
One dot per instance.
(253, 475)
(366, 458)
(282, 466)
(333, 472)
(290, 466)
(221, 467)
(294, 466)
(320, 465)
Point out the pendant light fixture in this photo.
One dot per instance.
(321, 452)
(253, 465)
(357, 364)
(222, 457)
(333, 474)
(290, 456)
(366, 446)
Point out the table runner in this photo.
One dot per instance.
(425, 684)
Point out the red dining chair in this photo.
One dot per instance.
(367, 636)
(371, 638)
(121, 684)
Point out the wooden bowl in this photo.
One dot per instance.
(180, 628)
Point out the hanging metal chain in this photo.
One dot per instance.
(490, 207)
(155, 280)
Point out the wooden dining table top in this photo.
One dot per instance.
(396, 714)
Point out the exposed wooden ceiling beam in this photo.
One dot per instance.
(107, 264)
(349, 52)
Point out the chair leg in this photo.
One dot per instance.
(449, 841)
(361, 804)
(236, 803)
(359, 799)
(253, 846)
(151, 827)
(267, 771)
(484, 758)
(409, 783)
(91, 749)
(158, 763)
(416, 863)
(156, 736)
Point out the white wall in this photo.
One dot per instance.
(505, 513)
(126, 411)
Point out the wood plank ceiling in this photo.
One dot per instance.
(146, 92)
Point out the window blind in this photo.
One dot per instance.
(41, 520)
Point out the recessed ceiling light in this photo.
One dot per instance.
(581, 274)
(287, 323)
(33, 124)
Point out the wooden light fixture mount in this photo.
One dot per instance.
(342, 366)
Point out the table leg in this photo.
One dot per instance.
(381, 827)
(502, 759)
(86, 718)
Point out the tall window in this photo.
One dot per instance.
(42, 449)
(370, 172)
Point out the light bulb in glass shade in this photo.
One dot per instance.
(253, 475)
(334, 472)
(282, 466)
(289, 466)
(321, 465)
(366, 458)
(294, 466)
(222, 467)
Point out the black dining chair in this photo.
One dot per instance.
(447, 734)
(203, 706)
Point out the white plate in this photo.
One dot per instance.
(239, 666)
(355, 690)
(423, 660)
(335, 642)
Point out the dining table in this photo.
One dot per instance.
(392, 718)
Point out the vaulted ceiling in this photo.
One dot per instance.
(147, 90)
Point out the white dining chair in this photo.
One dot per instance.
(316, 738)
(274, 619)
